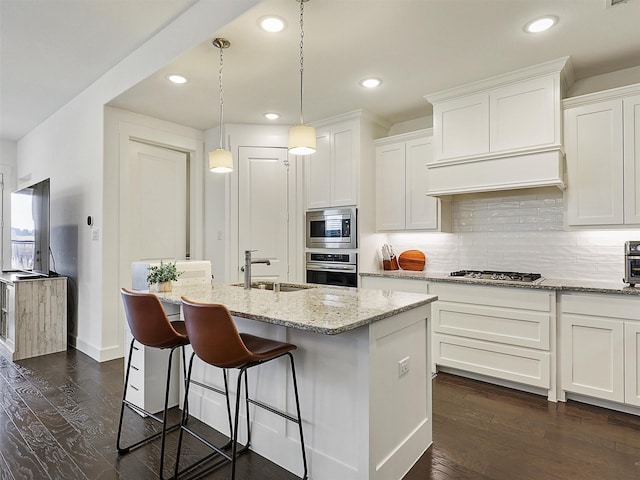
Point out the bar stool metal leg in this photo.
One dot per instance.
(299, 422)
(164, 420)
(217, 450)
(298, 419)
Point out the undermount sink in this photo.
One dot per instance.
(284, 287)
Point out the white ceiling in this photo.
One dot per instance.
(416, 46)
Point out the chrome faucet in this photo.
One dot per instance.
(247, 267)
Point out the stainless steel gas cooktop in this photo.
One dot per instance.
(497, 275)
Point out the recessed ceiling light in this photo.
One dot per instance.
(272, 116)
(179, 79)
(541, 24)
(370, 82)
(272, 24)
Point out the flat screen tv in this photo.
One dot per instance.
(30, 229)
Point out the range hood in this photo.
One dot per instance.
(502, 133)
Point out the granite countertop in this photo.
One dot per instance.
(565, 285)
(320, 309)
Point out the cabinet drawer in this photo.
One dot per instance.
(136, 376)
(523, 328)
(612, 306)
(135, 394)
(137, 356)
(522, 298)
(529, 367)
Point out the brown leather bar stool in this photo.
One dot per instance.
(150, 327)
(216, 341)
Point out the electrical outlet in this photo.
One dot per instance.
(403, 366)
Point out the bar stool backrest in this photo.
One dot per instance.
(213, 334)
(148, 321)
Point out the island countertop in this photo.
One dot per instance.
(317, 308)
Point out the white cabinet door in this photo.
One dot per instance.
(331, 174)
(344, 166)
(422, 211)
(631, 107)
(592, 358)
(461, 126)
(522, 115)
(593, 141)
(390, 187)
(318, 172)
(632, 363)
(154, 209)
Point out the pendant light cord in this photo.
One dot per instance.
(301, 55)
(221, 93)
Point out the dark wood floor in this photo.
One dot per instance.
(58, 420)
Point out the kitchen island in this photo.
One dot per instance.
(363, 377)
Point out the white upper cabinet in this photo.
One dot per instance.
(602, 140)
(402, 178)
(332, 174)
(631, 107)
(462, 125)
(593, 142)
(390, 186)
(501, 133)
(344, 164)
(525, 115)
(318, 171)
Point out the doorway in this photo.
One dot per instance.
(267, 212)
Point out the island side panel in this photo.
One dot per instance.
(333, 383)
(400, 421)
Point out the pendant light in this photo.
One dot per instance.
(302, 138)
(221, 160)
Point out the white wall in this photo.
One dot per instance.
(619, 78)
(68, 147)
(120, 127)
(411, 125)
(523, 231)
(221, 190)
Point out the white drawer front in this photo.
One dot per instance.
(529, 367)
(521, 298)
(612, 306)
(524, 328)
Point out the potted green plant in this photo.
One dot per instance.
(162, 275)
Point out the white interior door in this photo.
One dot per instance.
(265, 179)
(157, 210)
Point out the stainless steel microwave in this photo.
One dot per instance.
(332, 228)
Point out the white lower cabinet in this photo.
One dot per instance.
(148, 374)
(600, 338)
(632, 363)
(499, 332)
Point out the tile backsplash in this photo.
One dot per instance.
(520, 231)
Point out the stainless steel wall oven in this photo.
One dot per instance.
(339, 269)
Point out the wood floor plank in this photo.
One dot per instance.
(21, 460)
(481, 431)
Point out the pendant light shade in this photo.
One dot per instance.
(302, 138)
(221, 160)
